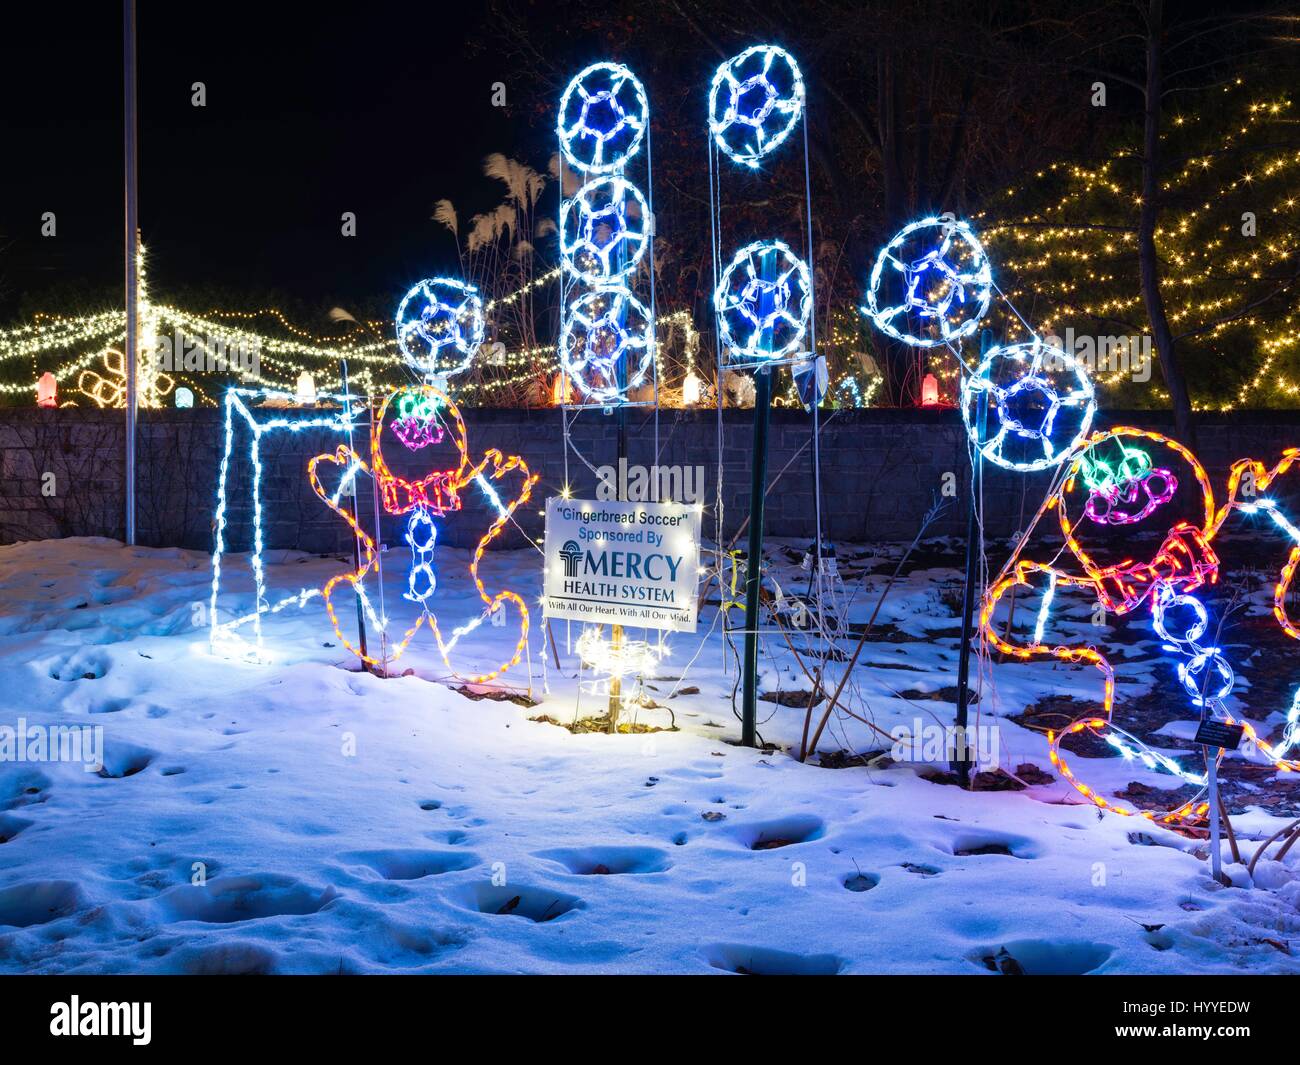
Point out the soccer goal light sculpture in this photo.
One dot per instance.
(931, 284)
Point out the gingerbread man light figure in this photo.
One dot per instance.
(418, 416)
(1120, 483)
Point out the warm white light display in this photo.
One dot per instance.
(755, 102)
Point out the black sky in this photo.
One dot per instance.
(312, 110)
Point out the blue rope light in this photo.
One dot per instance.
(603, 116)
(1034, 388)
(939, 278)
(763, 306)
(755, 101)
(440, 326)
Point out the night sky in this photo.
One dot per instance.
(311, 111)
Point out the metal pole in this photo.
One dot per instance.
(962, 762)
(132, 251)
(754, 559)
(356, 512)
(616, 631)
(1216, 859)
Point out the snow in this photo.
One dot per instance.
(347, 823)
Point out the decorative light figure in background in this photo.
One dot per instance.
(763, 302)
(603, 331)
(440, 327)
(755, 102)
(603, 116)
(938, 273)
(184, 398)
(1041, 404)
(561, 389)
(47, 390)
(604, 231)
(305, 393)
(930, 391)
(690, 389)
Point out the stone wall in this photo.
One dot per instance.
(881, 470)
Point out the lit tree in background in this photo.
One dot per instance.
(1228, 248)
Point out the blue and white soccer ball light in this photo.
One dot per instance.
(931, 284)
(440, 326)
(608, 334)
(603, 118)
(1041, 403)
(763, 303)
(755, 102)
(604, 231)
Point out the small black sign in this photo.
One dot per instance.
(1217, 734)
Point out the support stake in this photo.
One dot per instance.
(754, 560)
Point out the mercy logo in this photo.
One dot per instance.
(102, 1018)
(571, 555)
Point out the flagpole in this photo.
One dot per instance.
(132, 242)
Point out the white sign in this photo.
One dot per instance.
(623, 563)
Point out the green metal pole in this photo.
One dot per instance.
(754, 560)
(962, 763)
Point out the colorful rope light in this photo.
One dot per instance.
(603, 116)
(1028, 388)
(440, 326)
(755, 101)
(763, 303)
(937, 286)
(1184, 562)
(603, 234)
(434, 495)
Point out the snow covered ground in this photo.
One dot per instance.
(339, 822)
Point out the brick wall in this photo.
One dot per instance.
(881, 469)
